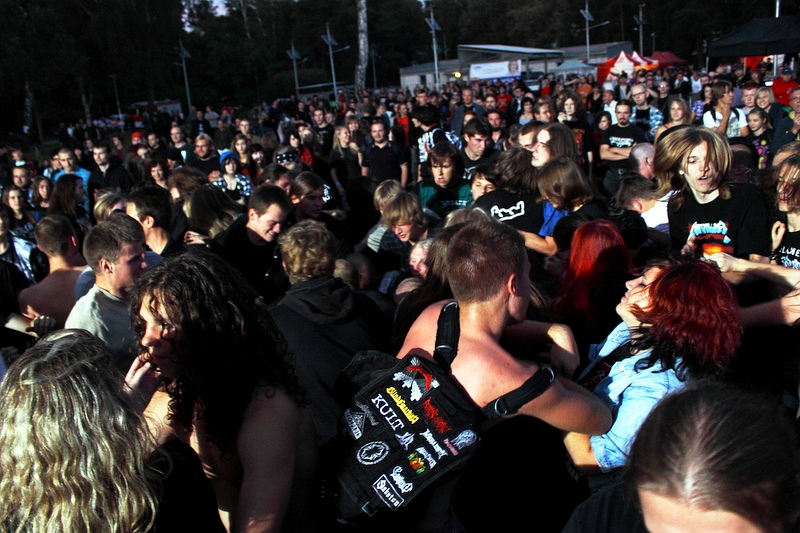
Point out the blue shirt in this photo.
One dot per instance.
(551, 216)
(630, 394)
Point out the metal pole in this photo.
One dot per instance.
(374, 76)
(330, 51)
(641, 30)
(775, 62)
(294, 66)
(116, 95)
(185, 78)
(586, 18)
(435, 52)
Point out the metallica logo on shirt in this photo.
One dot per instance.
(710, 238)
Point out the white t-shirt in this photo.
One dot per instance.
(737, 121)
(657, 217)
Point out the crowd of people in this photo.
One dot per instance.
(180, 302)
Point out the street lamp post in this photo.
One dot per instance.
(184, 55)
(294, 56)
(116, 95)
(434, 28)
(374, 56)
(331, 42)
(641, 22)
(589, 18)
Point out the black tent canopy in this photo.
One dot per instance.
(759, 37)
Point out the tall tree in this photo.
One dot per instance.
(363, 45)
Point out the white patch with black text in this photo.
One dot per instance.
(428, 457)
(383, 487)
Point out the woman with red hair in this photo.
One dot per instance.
(594, 280)
(680, 323)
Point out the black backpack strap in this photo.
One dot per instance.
(447, 333)
(511, 402)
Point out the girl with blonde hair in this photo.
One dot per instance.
(77, 453)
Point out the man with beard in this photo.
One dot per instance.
(647, 117)
(498, 137)
(384, 159)
(205, 157)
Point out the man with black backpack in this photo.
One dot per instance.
(488, 271)
(487, 268)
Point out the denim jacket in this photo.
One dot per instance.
(630, 394)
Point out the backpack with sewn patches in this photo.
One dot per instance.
(410, 423)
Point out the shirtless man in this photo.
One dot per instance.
(227, 389)
(55, 295)
(488, 271)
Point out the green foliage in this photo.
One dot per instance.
(67, 49)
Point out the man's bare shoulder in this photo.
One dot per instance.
(482, 366)
(54, 283)
(421, 336)
(487, 371)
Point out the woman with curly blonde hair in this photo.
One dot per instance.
(74, 445)
(77, 454)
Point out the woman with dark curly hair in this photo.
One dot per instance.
(229, 390)
(77, 453)
(663, 342)
(526, 115)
